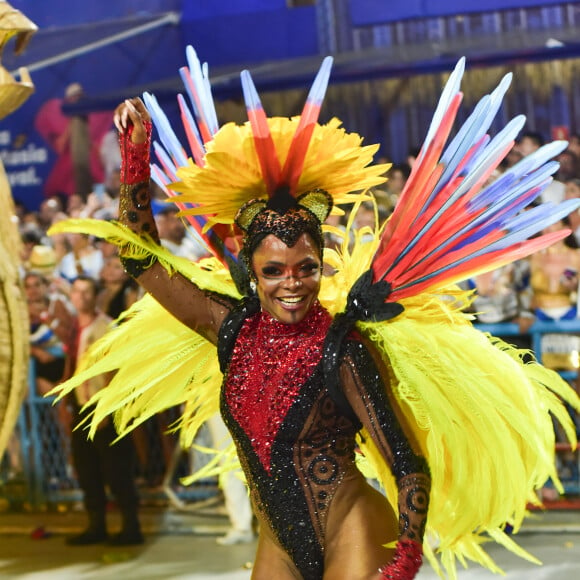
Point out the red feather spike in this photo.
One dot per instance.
(414, 193)
(263, 141)
(301, 140)
(203, 128)
(196, 149)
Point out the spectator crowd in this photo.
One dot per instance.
(542, 287)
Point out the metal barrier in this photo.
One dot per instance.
(37, 471)
(569, 470)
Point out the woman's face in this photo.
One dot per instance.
(113, 271)
(288, 279)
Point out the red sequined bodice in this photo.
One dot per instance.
(270, 363)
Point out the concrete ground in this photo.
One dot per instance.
(181, 545)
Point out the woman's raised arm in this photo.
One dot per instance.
(202, 311)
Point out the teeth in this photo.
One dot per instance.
(293, 300)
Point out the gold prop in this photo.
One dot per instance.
(13, 312)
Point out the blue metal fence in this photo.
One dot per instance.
(568, 465)
(37, 471)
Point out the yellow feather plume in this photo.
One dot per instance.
(336, 162)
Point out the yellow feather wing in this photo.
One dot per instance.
(482, 418)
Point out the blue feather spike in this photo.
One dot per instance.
(167, 163)
(211, 112)
(537, 158)
(251, 97)
(187, 81)
(466, 136)
(191, 121)
(199, 90)
(166, 134)
(481, 226)
(528, 164)
(492, 192)
(541, 217)
(159, 177)
(508, 202)
(546, 209)
(478, 152)
(450, 90)
(320, 84)
(478, 122)
(490, 156)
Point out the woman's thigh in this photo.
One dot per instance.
(273, 562)
(360, 523)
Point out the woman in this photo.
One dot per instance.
(554, 280)
(117, 290)
(397, 363)
(318, 516)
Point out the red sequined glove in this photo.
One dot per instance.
(135, 156)
(406, 562)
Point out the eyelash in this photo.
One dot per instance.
(306, 270)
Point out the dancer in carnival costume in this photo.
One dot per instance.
(378, 355)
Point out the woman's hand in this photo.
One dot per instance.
(132, 112)
(406, 562)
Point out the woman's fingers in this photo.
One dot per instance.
(130, 111)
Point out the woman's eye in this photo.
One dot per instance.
(309, 268)
(271, 271)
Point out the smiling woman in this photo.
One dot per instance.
(376, 357)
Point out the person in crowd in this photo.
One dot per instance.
(397, 178)
(572, 191)
(173, 235)
(554, 279)
(46, 348)
(237, 499)
(513, 156)
(569, 168)
(118, 291)
(48, 362)
(75, 140)
(30, 238)
(38, 285)
(50, 211)
(529, 142)
(97, 462)
(83, 259)
(75, 206)
(412, 156)
(574, 144)
(504, 295)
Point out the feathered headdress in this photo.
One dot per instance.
(275, 164)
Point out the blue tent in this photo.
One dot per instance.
(118, 49)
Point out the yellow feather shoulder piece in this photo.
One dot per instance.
(479, 414)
